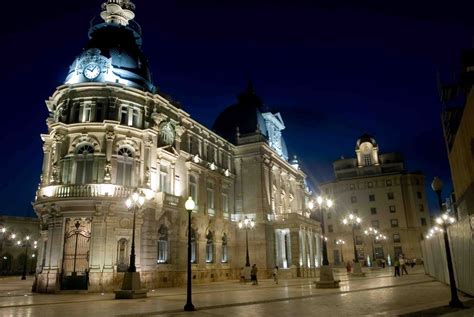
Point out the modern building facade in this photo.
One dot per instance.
(458, 117)
(110, 131)
(377, 188)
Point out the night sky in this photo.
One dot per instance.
(334, 72)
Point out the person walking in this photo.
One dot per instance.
(403, 265)
(275, 274)
(413, 262)
(396, 266)
(253, 275)
(348, 267)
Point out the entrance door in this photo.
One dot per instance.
(75, 270)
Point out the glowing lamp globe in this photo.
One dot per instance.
(189, 204)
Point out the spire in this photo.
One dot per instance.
(118, 11)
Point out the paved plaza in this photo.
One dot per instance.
(379, 293)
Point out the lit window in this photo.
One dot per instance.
(367, 160)
(210, 198)
(396, 237)
(193, 188)
(164, 178)
(163, 245)
(392, 209)
(394, 223)
(84, 164)
(124, 166)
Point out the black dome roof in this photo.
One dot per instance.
(246, 115)
(121, 45)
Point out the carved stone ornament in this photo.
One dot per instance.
(54, 174)
(110, 135)
(107, 172)
(158, 118)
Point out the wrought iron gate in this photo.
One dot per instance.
(75, 269)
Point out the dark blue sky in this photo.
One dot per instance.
(334, 71)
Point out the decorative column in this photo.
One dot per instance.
(147, 162)
(56, 153)
(109, 137)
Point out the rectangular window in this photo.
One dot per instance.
(353, 199)
(224, 254)
(388, 182)
(418, 195)
(423, 221)
(351, 186)
(390, 196)
(375, 223)
(329, 215)
(86, 112)
(330, 228)
(193, 188)
(371, 197)
(162, 251)
(422, 207)
(392, 209)
(358, 240)
(370, 184)
(373, 211)
(210, 199)
(124, 115)
(396, 237)
(164, 179)
(225, 203)
(136, 118)
(394, 223)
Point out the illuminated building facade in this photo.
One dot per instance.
(110, 130)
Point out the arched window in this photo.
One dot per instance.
(163, 245)
(122, 258)
(84, 164)
(193, 246)
(367, 160)
(124, 166)
(224, 255)
(210, 248)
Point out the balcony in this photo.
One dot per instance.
(102, 191)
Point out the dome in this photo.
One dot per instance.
(113, 53)
(248, 116)
(366, 138)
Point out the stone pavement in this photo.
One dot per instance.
(379, 293)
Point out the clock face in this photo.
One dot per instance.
(92, 70)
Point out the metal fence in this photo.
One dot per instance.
(461, 237)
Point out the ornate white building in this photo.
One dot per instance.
(110, 131)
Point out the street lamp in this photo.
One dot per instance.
(444, 220)
(247, 224)
(25, 243)
(326, 275)
(341, 243)
(131, 281)
(329, 203)
(352, 220)
(189, 206)
(372, 233)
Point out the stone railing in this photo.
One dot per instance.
(83, 191)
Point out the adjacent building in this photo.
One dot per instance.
(17, 241)
(112, 131)
(458, 118)
(376, 187)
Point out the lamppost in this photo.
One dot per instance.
(354, 221)
(131, 281)
(189, 206)
(372, 233)
(247, 224)
(329, 203)
(444, 220)
(26, 244)
(326, 275)
(341, 243)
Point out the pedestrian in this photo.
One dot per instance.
(275, 274)
(348, 267)
(253, 275)
(242, 275)
(396, 266)
(413, 262)
(383, 263)
(403, 265)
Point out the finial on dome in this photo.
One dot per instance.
(118, 11)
